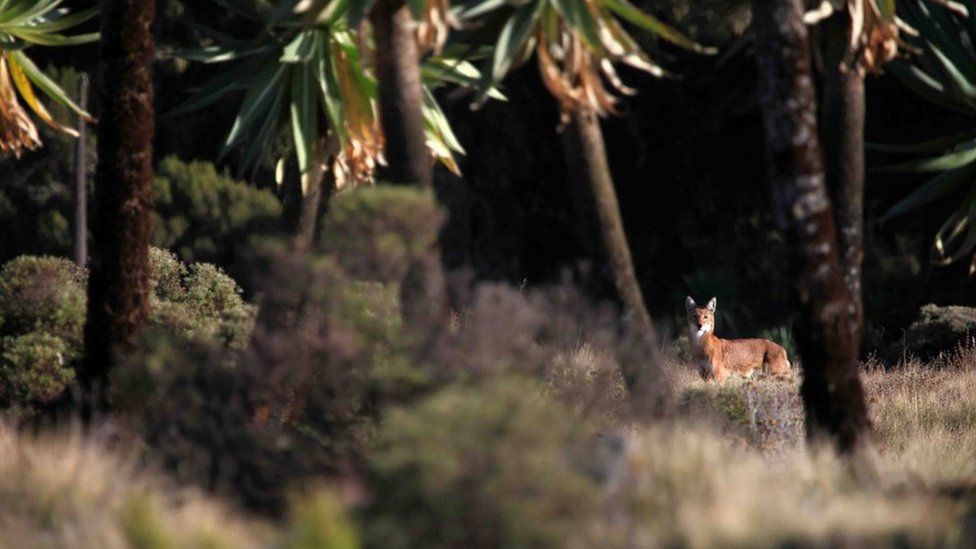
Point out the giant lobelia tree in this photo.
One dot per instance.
(827, 337)
(118, 286)
(856, 37)
(577, 44)
(25, 24)
(310, 74)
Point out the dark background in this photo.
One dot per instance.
(686, 156)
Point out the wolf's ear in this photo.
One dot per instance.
(689, 303)
(712, 303)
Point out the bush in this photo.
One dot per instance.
(374, 233)
(318, 522)
(197, 409)
(209, 292)
(42, 315)
(259, 421)
(35, 369)
(42, 294)
(167, 274)
(480, 466)
(206, 216)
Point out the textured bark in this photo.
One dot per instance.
(843, 146)
(832, 394)
(586, 158)
(118, 284)
(400, 95)
(79, 197)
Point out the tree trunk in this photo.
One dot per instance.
(118, 285)
(80, 195)
(586, 158)
(833, 397)
(423, 293)
(843, 147)
(311, 197)
(400, 95)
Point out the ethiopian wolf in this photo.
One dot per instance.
(719, 358)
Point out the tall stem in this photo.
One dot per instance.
(400, 95)
(311, 197)
(586, 157)
(826, 336)
(118, 286)
(843, 143)
(80, 194)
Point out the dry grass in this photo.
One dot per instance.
(735, 470)
(731, 470)
(69, 491)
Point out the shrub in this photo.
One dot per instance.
(34, 369)
(206, 216)
(197, 409)
(42, 307)
(480, 466)
(296, 403)
(767, 413)
(319, 522)
(167, 274)
(374, 233)
(209, 292)
(42, 294)
(198, 301)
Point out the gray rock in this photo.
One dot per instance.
(940, 329)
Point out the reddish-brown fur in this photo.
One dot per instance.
(719, 358)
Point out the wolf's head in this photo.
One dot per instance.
(701, 320)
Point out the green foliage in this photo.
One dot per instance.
(142, 525)
(42, 294)
(297, 76)
(42, 307)
(480, 466)
(319, 522)
(203, 215)
(26, 23)
(35, 368)
(545, 27)
(167, 273)
(204, 414)
(209, 292)
(944, 72)
(783, 335)
(199, 213)
(296, 402)
(35, 196)
(374, 233)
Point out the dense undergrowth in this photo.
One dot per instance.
(324, 420)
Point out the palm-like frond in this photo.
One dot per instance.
(577, 44)
(942, 69)
(24, 23)
(875, 34)
(309, 70)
